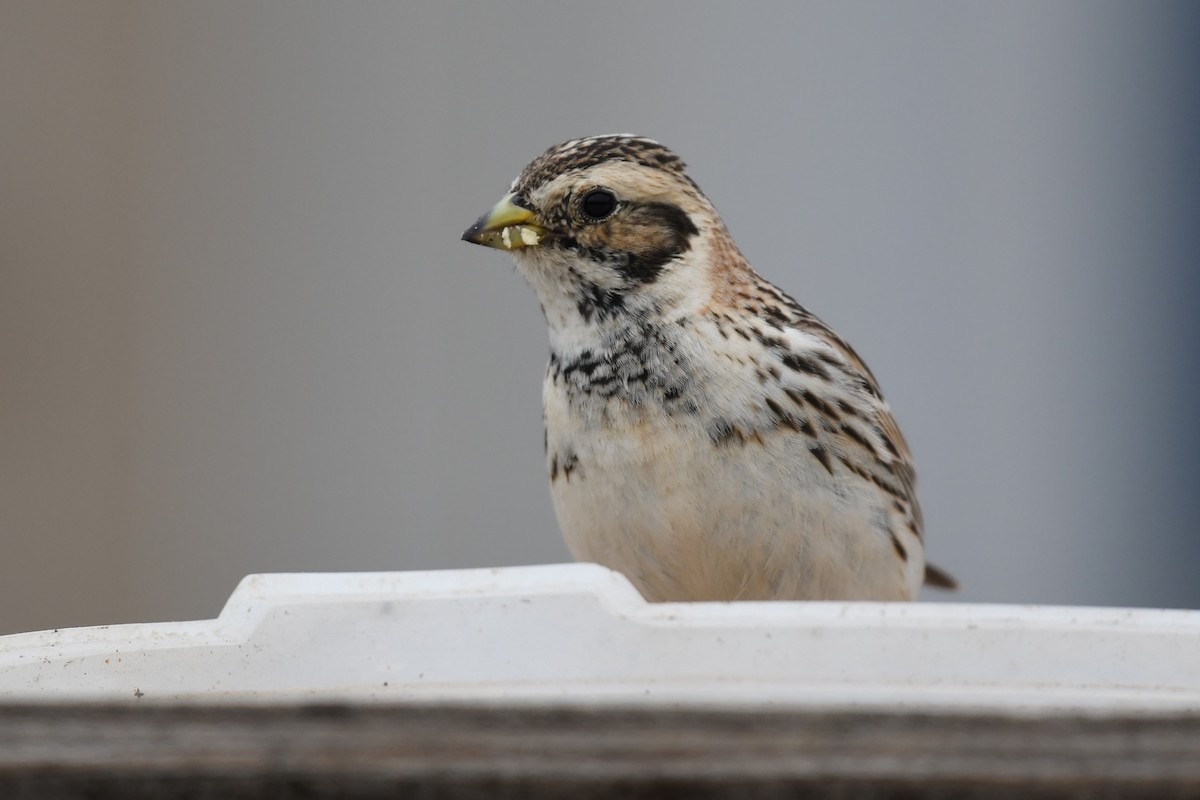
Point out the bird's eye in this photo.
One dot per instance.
(599, 204)
(520, 201)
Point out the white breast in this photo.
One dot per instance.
(650, 495)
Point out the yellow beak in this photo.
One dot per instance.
(507, 227)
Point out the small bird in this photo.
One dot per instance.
(705, 434)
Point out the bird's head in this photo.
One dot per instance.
(603, 223)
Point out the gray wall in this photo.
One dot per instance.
(238, 332)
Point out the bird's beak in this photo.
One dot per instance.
(507, 227)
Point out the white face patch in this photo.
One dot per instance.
(529, 236)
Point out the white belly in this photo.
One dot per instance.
(684, 519)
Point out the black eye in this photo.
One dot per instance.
(520, 201)
(599, 204)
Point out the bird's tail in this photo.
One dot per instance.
(939, 578)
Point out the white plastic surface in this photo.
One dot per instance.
(579, 633)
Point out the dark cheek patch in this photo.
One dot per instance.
(648, 237)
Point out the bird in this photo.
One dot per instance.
(705, 435)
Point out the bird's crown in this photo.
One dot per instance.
(579, 154)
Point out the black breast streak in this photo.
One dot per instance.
(821, 455)
(859, 437)
(569, 465)
(799, 363)
(722, 431)
(563, 464)
(900, 549)
(594, 303)
(639, 365)
(873, 474)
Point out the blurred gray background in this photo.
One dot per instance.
(239, 333)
